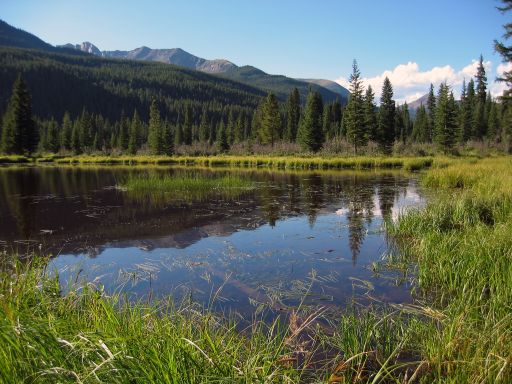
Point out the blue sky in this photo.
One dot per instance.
(413, 40)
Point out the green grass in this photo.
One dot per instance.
(459, 330)
(14, 159)
(462, 244)
(285, 162)
(185, 186)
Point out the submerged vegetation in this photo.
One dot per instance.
(188, 186)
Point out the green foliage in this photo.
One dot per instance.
(370, 114)
(135, 136)
(386, 130)
(19, 132)
(354, 116)
(446, 119)
(222, 138)
(270, 120)
(292, 115)
(155, 130)
(310, 135)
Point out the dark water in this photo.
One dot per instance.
(296, 236)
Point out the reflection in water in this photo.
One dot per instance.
(275, 235)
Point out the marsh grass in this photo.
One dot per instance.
(284, 162)
(462, 245)
(185, 186)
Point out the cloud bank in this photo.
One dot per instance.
(410, 82)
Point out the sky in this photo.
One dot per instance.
(413, 42)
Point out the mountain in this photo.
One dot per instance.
(414, 105)
(60, 82)
(330, 85)
(280, 85)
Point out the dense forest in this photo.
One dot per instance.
(54, 102)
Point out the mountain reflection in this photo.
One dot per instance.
(79, 209)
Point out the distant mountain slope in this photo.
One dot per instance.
(14, 37)
(414, 105)
(280, 85)
(330, 85)
(61, 82)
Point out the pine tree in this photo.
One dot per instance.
(399, 123)
(222, 138)
(480, 116)
(446, 119)
(310, 135)
(19, 133)
(135, 133)
(239, 129)
(506, 53)
(292, 115)
(354, 113)
(167, 139)
(420, 126)
(85, 127)
(187, 125)
(370, 114)
(431, 107)
(466, 111)
(231, 127)
(124, 132)
(178, 134)
(75, 138)
(386, 128)
(270, 120)
(66, 130)
(204, 127)
(155, 130)
(493, 124)
(407, 125)
(52, 137)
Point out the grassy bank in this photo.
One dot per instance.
(285, 162)
(462, 244)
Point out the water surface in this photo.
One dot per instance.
(310, 236)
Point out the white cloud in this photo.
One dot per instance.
(410, 82)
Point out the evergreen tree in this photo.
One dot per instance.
(493, 123)
(155, 135)
(420, 126)
(52, 137)
(187, 125)
(75, 138)
(399, 123)
(178, 136)
(204, 127)
(222, 138)
(466, 111)
(66, 130)
(239, 129)
(506, 53)
(135, 133)
(19, 133)
(446, 119)
(370, 114)
(310, 135)
(167, 139)
(386, 128)
(292, 115)
(85, 127)
(231, 127)
(407, 125)
(480, 116)
(431, 107)
(354, 118)
(270, 120)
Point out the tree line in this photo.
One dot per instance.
(310, 123)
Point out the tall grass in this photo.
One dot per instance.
(185, 186)
(284, 162)
(462, 243)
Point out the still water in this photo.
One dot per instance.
(311, 237)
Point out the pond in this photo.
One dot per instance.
(292, 237)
